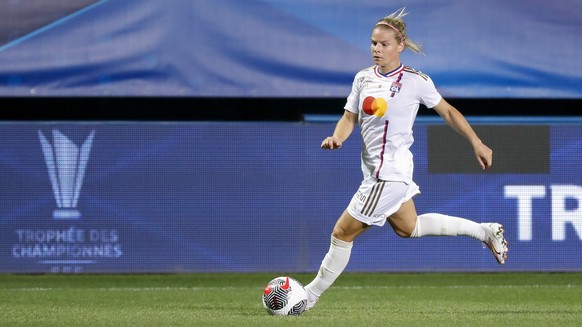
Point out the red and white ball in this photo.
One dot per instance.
(284, 296)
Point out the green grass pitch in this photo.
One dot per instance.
(356, 299)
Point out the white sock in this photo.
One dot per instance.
(333, 264)
(435, 224)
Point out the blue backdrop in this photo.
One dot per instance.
(235, 197)
(282, 48)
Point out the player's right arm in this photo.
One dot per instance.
(342, 131)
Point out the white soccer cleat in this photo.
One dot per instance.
(311, 299)
(495, 241)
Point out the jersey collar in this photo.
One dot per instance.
(389, 74)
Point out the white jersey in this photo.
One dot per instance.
(386, 105)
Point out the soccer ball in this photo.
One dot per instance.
(284, 296)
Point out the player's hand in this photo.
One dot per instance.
(484, 155)
(331, 143)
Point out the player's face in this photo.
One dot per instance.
(385, 49)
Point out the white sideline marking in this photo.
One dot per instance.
(195, 289)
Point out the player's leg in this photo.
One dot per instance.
(346, 229)
(406, 223)
(404, 220)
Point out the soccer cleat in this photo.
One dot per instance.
(495, 241)
(311, 299)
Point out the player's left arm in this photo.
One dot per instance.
(457, 121)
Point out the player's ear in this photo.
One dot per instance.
(401, 47)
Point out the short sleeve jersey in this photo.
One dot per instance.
(386, 105)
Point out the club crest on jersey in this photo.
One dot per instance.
(395, 87)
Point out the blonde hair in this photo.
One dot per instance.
(395, 22)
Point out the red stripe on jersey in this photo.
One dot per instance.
(386, 123)
(397, 81)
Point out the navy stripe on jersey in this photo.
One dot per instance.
(389, 74)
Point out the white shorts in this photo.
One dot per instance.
(376, 200)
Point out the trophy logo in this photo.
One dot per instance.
(66, 164)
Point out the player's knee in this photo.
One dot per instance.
(344, 235)
(339, 233)
(403, 233)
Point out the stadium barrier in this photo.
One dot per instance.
(147, 197)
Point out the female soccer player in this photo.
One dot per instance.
(384, 101)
